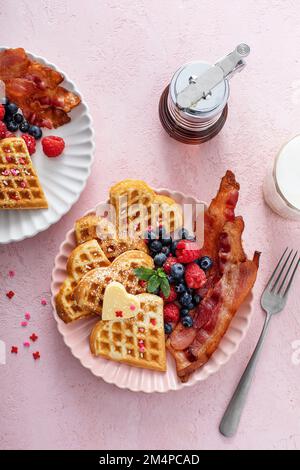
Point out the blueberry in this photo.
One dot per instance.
(177, 271)
(187, 321)
(168, 328)
(18, 118)
(165, 250)
(205, 263)
(159, 259)
(186, 299)
(167, 241)
(173, 247)
(156, 246)
(197, 299)
(190, 306)
(24, 126)
(11, 109)
(184, 312)
(35, 131)
(180, 288)
(12, 126)
(171, 279)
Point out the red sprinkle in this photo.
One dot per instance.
(27, 316)
(36, 355)
(26, 344)
(119, 313)
(33, 337)
(14, 350)
(11, 273)
(153, 321)
(44, 302)
(24, 323)
(10, 294)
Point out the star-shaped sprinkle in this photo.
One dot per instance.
(14, 350)
(119, 313)
(33, 337)
(10, 294)
(36, 355)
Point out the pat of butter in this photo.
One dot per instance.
(117, 303)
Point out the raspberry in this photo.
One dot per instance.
(53, 146)
(171, 313)
(9, 134)
(30, 142)
(187, 251)
(169, 263)
(3, 130)
(2, 112)
(195, 277)
(172, 296)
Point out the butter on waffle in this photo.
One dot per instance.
(128, 193)
(86, 229)
(19, 184)
(138, 341)
(83, 259)
(90, 290)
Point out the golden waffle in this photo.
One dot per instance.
(138, 341)
(86, 229)
(128, 193)
(19, 184)
(89, 292)
(83, 259)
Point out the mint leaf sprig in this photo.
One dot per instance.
(155, 278)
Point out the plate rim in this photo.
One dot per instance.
(179, 385)
(86, 110)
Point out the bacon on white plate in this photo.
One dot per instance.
(192, 347)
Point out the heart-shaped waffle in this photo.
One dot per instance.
(90, 290)
(138, 341)
(83, 259)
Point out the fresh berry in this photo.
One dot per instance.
(156, 246)
(186, 299)
(159, 259)
(3, 130)
(2, 112)
(30, 142)
(187, 321)
(167, 241)
(172, 295)
(195, 277)
(184, 312)
(168, 328)
(9, 134)
(18, 118)
(24, 126)
(190, 306)
(170, 279)
(35, 131)
(169, 263)
(173, 247)
(187, 251)
(165, 250)
(11, 109)
(196, 299)
(205, 263)
(181, 288)
(177, 271)
(53, 146)
(12, 126)
(171, 313)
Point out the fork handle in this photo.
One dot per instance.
(232, 415)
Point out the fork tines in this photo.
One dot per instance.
(284, 273)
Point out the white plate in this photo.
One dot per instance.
(62, 178)
(76, 336)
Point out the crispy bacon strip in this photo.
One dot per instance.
(192, 347)
(34, 87)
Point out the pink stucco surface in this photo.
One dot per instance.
(121, 55)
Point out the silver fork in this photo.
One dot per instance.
(273, 301)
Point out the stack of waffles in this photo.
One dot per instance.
(19, 184)
(96, 262)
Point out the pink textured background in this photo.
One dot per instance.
(121, 55)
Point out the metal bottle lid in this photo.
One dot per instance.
(199, 91)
